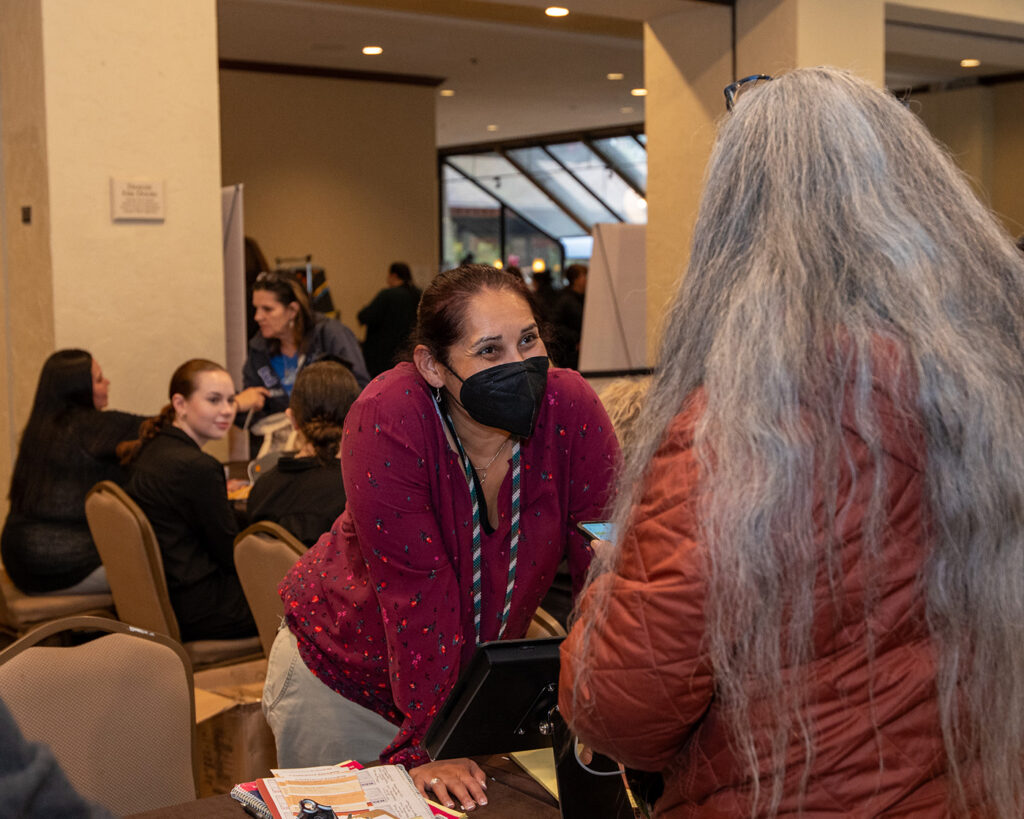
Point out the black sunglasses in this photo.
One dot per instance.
(733, 90)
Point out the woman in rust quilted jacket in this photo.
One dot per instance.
(816, 604)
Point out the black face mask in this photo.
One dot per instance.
(506, 396)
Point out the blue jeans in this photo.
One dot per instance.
(312, 723)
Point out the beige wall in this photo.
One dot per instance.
(687, 63)
(130, 91)
(342, 169)
(983, 128)
(1004, 11)
(773, 36)
(26, 292)
(962, 121)
(1008, 155)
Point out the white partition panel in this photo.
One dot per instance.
(615, 311)
(235, 301)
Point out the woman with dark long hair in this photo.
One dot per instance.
(291, 336)
(816, 603)
(183, 492)
(68, 446)
(466, 471)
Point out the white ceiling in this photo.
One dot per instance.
(512, 67)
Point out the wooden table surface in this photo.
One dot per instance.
(511, 794)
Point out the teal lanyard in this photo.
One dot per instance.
(475, 490)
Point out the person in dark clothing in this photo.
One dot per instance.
(303, 492)
(32, 781)
(389, 319)
(544, 294)
(183, 492)
(67, 447)
(291, 336)
(568, 316)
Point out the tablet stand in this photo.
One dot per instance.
(507, 701)
(583, 795)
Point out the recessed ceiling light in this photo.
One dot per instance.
(970, 62)
(556, 11)
(639, 92)
(447, 92)
(615, 76)
(492, 127)
(371, 50)
(626, 109)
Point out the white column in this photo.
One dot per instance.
(90, 92)
(687, 63)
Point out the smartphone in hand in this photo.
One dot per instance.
(597, 529)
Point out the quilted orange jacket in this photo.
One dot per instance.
(651, 704)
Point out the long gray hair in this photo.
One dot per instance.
(830, 220)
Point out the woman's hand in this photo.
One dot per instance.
(458, 779)
(601, 548)
(251, 398)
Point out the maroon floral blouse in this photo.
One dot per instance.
(382, 605)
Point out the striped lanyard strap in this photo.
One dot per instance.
(475, 493)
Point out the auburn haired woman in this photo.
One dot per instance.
(183, 492)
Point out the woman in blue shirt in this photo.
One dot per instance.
(290, 336)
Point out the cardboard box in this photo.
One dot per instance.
(234, 742)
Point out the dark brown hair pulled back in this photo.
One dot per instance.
(441, 316)
(321, 398)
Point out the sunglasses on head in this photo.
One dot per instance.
(734, 90)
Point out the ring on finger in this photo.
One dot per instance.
(435, 781)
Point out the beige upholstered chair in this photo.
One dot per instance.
(263, 555)
(544, 625)
(20, 612)
(135, 571)
(118, 711)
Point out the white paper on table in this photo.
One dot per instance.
(386, 787)
(327, 784)
(390, 788)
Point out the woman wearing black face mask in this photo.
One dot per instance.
(474, 454)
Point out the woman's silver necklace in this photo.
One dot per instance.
(481, 471)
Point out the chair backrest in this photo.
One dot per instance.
(263, 555)
(129, 550)
(544, 624)
(118, 712)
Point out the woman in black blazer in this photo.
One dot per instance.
(183, 492)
